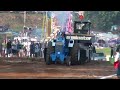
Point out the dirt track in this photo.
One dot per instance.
(17, 69)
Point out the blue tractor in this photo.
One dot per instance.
(71, 49)
(58, 50)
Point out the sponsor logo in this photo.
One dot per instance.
(78, 37)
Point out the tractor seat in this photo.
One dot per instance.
(84, 31)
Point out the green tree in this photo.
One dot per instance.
(102, 20)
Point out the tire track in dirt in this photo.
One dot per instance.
(39, 70)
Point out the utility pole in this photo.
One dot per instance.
(46, 24)
(24, 18)
(49, 23)
(43, 26)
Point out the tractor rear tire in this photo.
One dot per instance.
(68, 61)
(74, 54)
(82, 59)
(49, 51)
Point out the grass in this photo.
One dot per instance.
(106, 51)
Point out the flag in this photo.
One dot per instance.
(69, 24)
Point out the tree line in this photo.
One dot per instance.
(101, 20)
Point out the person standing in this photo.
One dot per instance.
(14, 48)
(20, 49)
(3, 48)
(0, 49)
(117, 61)
(9, 48)
(32, 49)
(45, 50)
(93, 51)
(39, 49)
(112, 51)
(28, 49)
(118, 69)
(117, 54)
(25, 50)
(36, 49)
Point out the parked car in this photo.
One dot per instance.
(98, 56)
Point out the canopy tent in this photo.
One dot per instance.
(9, 33)
(6, 35)
(118, 40)
(101, 41)
(112, 41)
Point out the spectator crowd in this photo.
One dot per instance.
(13, 48)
